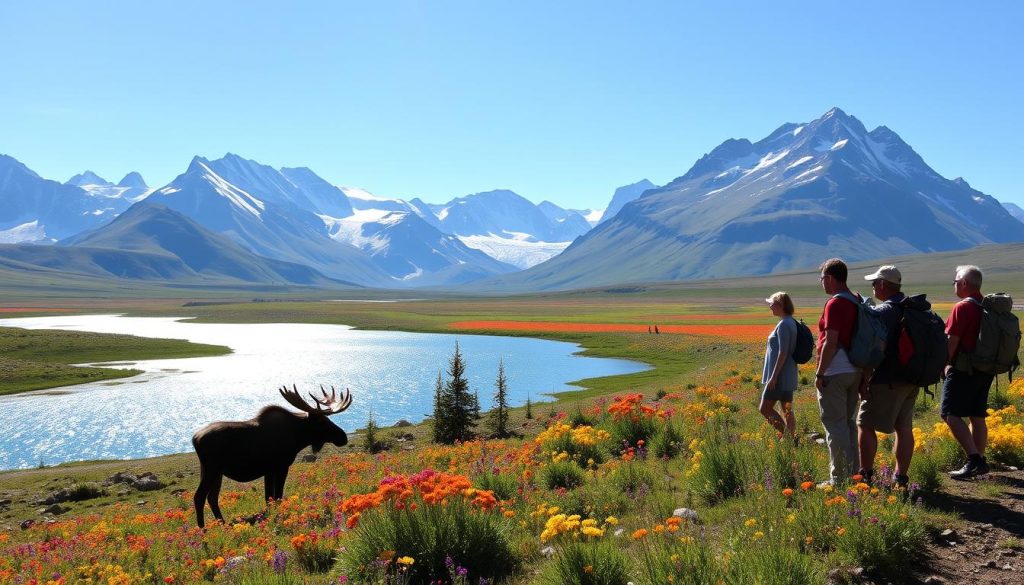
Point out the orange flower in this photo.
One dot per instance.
(639, 533)
(806, 485)
(787, 492)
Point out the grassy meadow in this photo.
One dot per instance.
(664, 476)
(39, 359)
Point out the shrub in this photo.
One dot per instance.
(313, 554)
(436, 536)
(503, 485)
(630, 430)
(632, 478)
(85, 491)
(668, 442)
(562, 474)
(587, 563)
(671, 560)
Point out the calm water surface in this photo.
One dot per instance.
(389, 373)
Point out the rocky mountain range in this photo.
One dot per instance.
(802, 194)
(805, 192)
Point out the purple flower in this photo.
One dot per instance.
(279, 560)
(461, 571)
(448, 562)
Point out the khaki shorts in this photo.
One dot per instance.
(890, 407)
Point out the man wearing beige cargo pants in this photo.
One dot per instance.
(837, 380)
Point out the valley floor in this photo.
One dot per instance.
(626, 455)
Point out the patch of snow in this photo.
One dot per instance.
(808, 172)
(978, 199)
(26, 232)
(414, 274)
(349, 229)
(357, 193)
(99, 212)
(800, 162)
(798, 130)
(878, 149)
(521, 250)
(768, 160)
(236, 196)
(594, 216)
(839, 144)
(442, 214)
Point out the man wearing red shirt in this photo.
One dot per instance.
(965, 392)
(837, 380)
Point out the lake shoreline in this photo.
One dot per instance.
(23, 458)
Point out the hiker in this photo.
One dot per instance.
(889, 399)
(779, 377)
(837, 380)
(965, 390)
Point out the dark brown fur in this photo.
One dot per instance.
(264, 446)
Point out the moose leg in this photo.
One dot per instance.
(214, 495)
(280, 477)
(268, 486)
(199, 499)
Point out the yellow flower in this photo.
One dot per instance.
(405, 560)
(757, 535)
(750, 522)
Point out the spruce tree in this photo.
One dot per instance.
(499, 416)
(458, 407)
(439, 411)
(529, 408)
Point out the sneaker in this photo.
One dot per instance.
(969, 470)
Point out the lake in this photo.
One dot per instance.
(392, 374)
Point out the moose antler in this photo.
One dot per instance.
(329, 404)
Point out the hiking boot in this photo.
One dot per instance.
(983, 467)
(901, 482)
(969, 470)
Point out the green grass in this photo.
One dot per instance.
(39, 359)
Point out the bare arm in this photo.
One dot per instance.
(828, 351)
(952, 344)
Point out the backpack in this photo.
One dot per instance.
(867, 347)
(804, 348)
(923, 346)
(999, 337)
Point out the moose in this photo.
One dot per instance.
(264, 446)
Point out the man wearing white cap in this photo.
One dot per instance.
(889, 399)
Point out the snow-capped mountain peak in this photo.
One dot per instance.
(88, 178)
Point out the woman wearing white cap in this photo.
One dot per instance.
(779, 378)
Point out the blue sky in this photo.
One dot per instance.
(562, 101)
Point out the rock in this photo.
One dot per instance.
(989, 564)
(934, 580)
(815, 436)
(949, 534)
(120, 477)
(403, 423)
(407, 437)
(686, 514)
(1007, 567)
(547, 551)
(26, 524)
(178, 491)
(141, 503)
(54, 509)
(857, 571)
(619, 531)
(1012, 468)
(147, 483)
(819, 441)
(5, 502)
(308, 458)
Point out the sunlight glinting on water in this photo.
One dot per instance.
(389, 373)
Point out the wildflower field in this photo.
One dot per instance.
(671, 477)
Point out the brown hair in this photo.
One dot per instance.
(835, 268)
(787, 302)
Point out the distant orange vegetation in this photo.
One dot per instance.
(728, 331)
